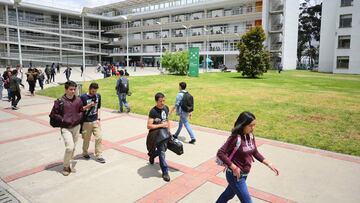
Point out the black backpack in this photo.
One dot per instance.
(123, 88)
(54, 121)
(187, 102)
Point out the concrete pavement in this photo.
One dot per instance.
(31, 157)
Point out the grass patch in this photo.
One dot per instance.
(307, 108)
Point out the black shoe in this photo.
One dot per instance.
(151, 159)
(86, 156)
(128, 110)
(174, 136)
(166, 177)
(192, 141)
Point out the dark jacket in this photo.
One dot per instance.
(73, 111)
(14, 83)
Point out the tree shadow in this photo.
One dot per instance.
(247, 78)
(149, 171)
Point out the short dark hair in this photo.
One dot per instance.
(182, 85)
(158, 96)
(121, 72)
(70, 84)
(14, 72)
(94, 85)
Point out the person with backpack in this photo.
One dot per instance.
(184, 107)
(41, 78)
(122, 89)
(31, 77)
(67, 73)
(6, 77)
(2, 81)
(67, 113)
(15, 83)
(237, 156)
(159, 134)
(52, 72)
(91, 122)
(48, 73)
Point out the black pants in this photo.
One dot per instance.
(15, 98)
(52, 78)
(41, 83)
(47, 78)
(32, 86)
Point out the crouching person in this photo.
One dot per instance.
(159, 134)
(67, 113)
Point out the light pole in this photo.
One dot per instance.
(126, 18)
(206, 49)
(159, 23)
(187, 35)
(223, 33)
(16, 5)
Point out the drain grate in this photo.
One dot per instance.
(6, 197)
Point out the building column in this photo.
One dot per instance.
(83, 41)
(7, 31)
(18, 34)
(99, 39)
(60, 38)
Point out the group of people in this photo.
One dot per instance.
(11, 80)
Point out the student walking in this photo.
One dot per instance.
(6, 77)
(82, 70)
(184, 106)
(159, 134)
(67, 73)
(41, 78)
(58, 68)
(91, 125)
(122, 89)
(2, 82)
(31, 77)
(237, 155)
(15, 89)
(48, 73)
(68, 112)
(52, 73)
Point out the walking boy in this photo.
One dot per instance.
(122, 89)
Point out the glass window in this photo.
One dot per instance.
(345, 3)
(345, 20)
(344, 42)
(342, 62)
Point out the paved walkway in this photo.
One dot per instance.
(31, 157)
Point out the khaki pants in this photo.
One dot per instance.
(90, 128)
(70, 136)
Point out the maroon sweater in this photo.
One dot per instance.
(243, 157)
(73, 112)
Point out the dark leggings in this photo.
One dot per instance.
(32, 86)
(15, 98)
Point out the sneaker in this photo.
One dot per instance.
(166, 177)
(86, 156)
(14, 108)
(192, 141)
(100, 160)
(66, 171)
(72, 170)
(120, 111)
(128, 110)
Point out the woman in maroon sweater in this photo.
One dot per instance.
(238, 167)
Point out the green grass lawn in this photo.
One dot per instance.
(312, 109)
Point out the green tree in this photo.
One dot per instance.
(309, 31)
(254, 59)
(176, 63)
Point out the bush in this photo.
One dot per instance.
(254, 59)
(176, 63)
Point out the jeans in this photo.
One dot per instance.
(238, 188)
(184, 120)
(1, 90)
(15, 94)
(122, 101)
(160, 151)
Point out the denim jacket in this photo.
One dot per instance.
(179, 98)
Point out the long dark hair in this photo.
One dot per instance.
(244, 119)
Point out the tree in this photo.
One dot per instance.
(309, 31)
(177, 62)
(254, 59)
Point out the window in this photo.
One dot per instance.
(345, 20)
(342, 62)
(345, 3)
(344, 42)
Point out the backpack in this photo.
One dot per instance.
(187, 102)
(122, 88)
(54, 121)
(237, 146)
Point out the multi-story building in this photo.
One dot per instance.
(340, 37)
(143, 30)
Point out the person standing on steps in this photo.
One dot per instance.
(184, 106)
(237, 155)
(122, 89)
(91, 123)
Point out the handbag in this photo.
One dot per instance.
(175, 146)
(162, 134)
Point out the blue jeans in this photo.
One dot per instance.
(1, 90)
(184, 120)
(122, 101)
(238, 188)
(160, 151)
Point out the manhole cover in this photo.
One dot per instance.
(6, 197)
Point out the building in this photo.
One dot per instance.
(142, 30)
(340, 37)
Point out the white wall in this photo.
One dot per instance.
(291, 21)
